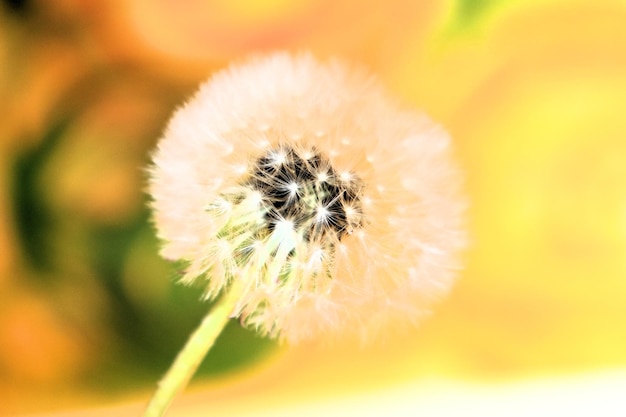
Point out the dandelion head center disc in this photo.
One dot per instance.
(302, 187)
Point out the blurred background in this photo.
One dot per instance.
(533, 93)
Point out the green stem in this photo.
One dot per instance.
(194, 351)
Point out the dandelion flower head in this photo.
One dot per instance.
(335, 209)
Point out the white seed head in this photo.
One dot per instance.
(337, 208)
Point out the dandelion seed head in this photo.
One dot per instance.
(338, 208)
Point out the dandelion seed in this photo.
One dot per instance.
(321, 233)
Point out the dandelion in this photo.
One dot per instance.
(313, 202)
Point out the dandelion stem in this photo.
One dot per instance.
(194, 351)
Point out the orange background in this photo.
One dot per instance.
(533, 93)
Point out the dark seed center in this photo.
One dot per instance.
(304, 188)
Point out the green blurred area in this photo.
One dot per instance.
(57, 246)
(470, 10)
